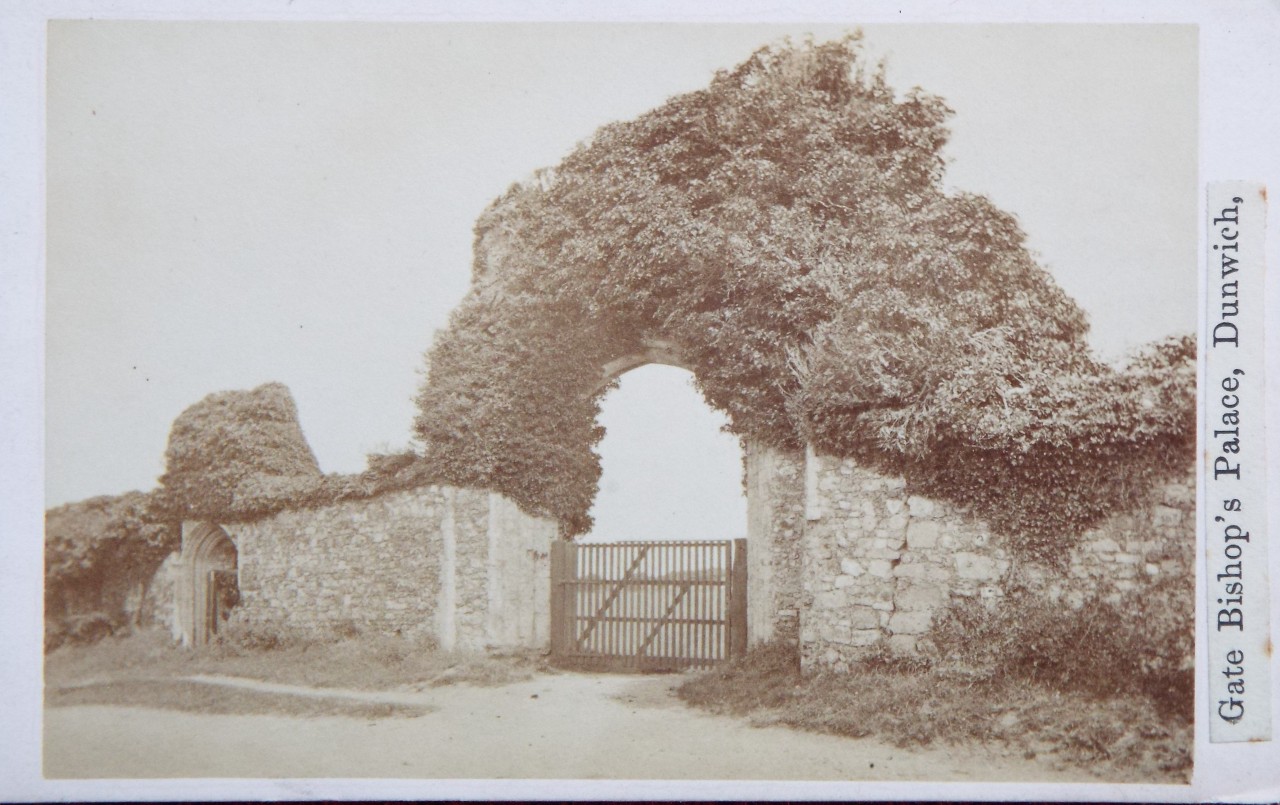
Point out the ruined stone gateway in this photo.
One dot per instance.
(921, 419)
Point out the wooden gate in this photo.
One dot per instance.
(648, 605)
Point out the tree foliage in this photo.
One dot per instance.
(95, 551)
(788, 229)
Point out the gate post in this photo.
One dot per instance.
(560, 569)
(737, 614)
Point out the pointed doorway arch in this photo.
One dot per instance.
(208, 584)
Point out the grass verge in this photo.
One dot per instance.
(195, 697)
(1120, 738)
(147, 669)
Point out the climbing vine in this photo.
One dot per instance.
(788, 229)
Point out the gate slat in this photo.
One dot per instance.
(644, 604)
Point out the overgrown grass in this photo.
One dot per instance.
(915, 704)
(194, 697)
(122, 670)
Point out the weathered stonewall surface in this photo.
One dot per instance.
(775, 527)
(879, 562)
(460, 566)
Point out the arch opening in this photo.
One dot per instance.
(210, 582)
(669, 469)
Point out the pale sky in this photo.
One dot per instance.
(236, 203)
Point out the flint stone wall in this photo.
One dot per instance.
(879, 562)
(454, 565)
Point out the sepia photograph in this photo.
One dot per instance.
(432, 400)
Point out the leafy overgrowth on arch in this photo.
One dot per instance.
(240, 455)
(787, 227)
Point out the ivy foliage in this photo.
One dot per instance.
(95, 550)
(788, 229)
(234, 449)
(241, 455)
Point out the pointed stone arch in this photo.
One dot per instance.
(653, 350)
(776, 491)
(207, 581)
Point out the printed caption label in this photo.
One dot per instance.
(1239, 657)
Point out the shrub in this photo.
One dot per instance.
(79, 629)
(1137, 643)
(918, 703)
(96, 552)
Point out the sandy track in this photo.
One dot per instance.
(555, 726)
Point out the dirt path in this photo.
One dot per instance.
(554, 726)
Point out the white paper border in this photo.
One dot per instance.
(1239, 111)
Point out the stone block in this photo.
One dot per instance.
(880, 568)
(889, 554)
(920, 507)
(1164, 515)
(850, 567)
(976, 566)
(863, 618)
(893, 505)
(918, 596)
(910, 622)
(832, 600)
(911, 570)
(922, 534)
(843, 581)
(836, 632)
(904, 645)
(865, 637)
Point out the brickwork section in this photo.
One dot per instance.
(879, 561)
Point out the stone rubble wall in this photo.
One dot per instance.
(879, 562)
(418, 563)
(371, 565)
(470, 516)
(841, 560)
